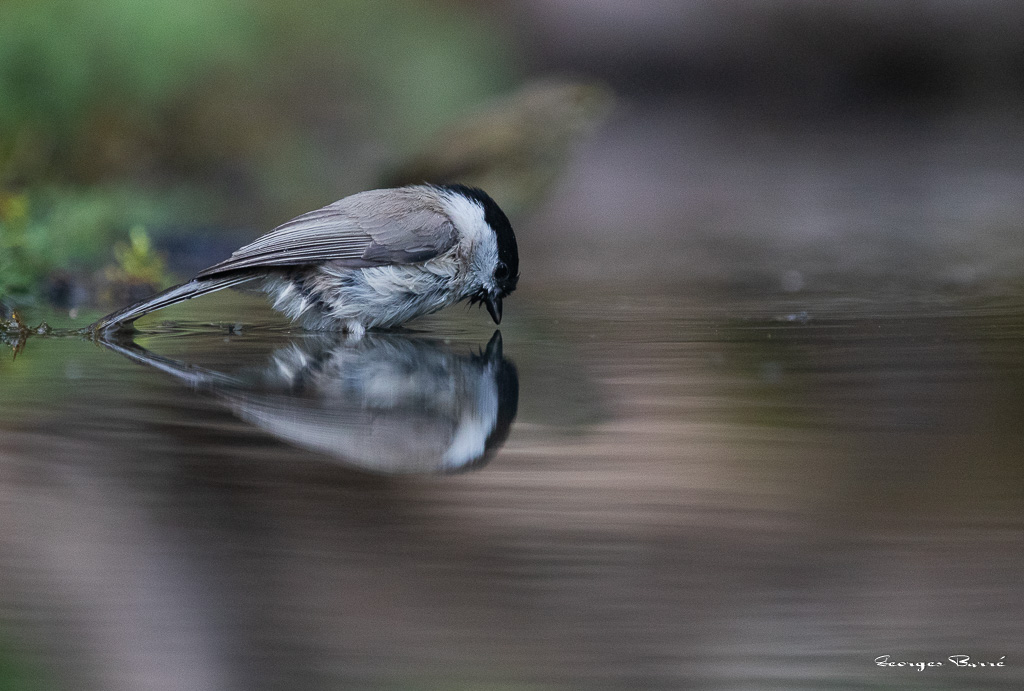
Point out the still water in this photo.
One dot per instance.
(620, 492)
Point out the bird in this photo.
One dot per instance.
(373, 260)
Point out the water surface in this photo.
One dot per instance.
(686, 492)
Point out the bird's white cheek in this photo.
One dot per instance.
(477, 239)
(485, 258)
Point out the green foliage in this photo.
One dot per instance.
(80, 78)
(137, 262)
(18, 261)
(54, 228)
(60, 58)
(423, 61)
(108, 108)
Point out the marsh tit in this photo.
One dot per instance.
(374, 259)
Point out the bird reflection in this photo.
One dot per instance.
(385, 403)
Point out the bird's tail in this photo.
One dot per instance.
(171, 296)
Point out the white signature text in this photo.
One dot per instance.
(951, 661)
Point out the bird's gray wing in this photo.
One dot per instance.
(379, 227)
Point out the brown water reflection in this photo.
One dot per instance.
(757, 494)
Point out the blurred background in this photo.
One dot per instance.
(769, 343)
(773, 144)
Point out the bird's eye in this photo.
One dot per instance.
(501, 271)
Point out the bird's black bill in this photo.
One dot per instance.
(493, 303)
